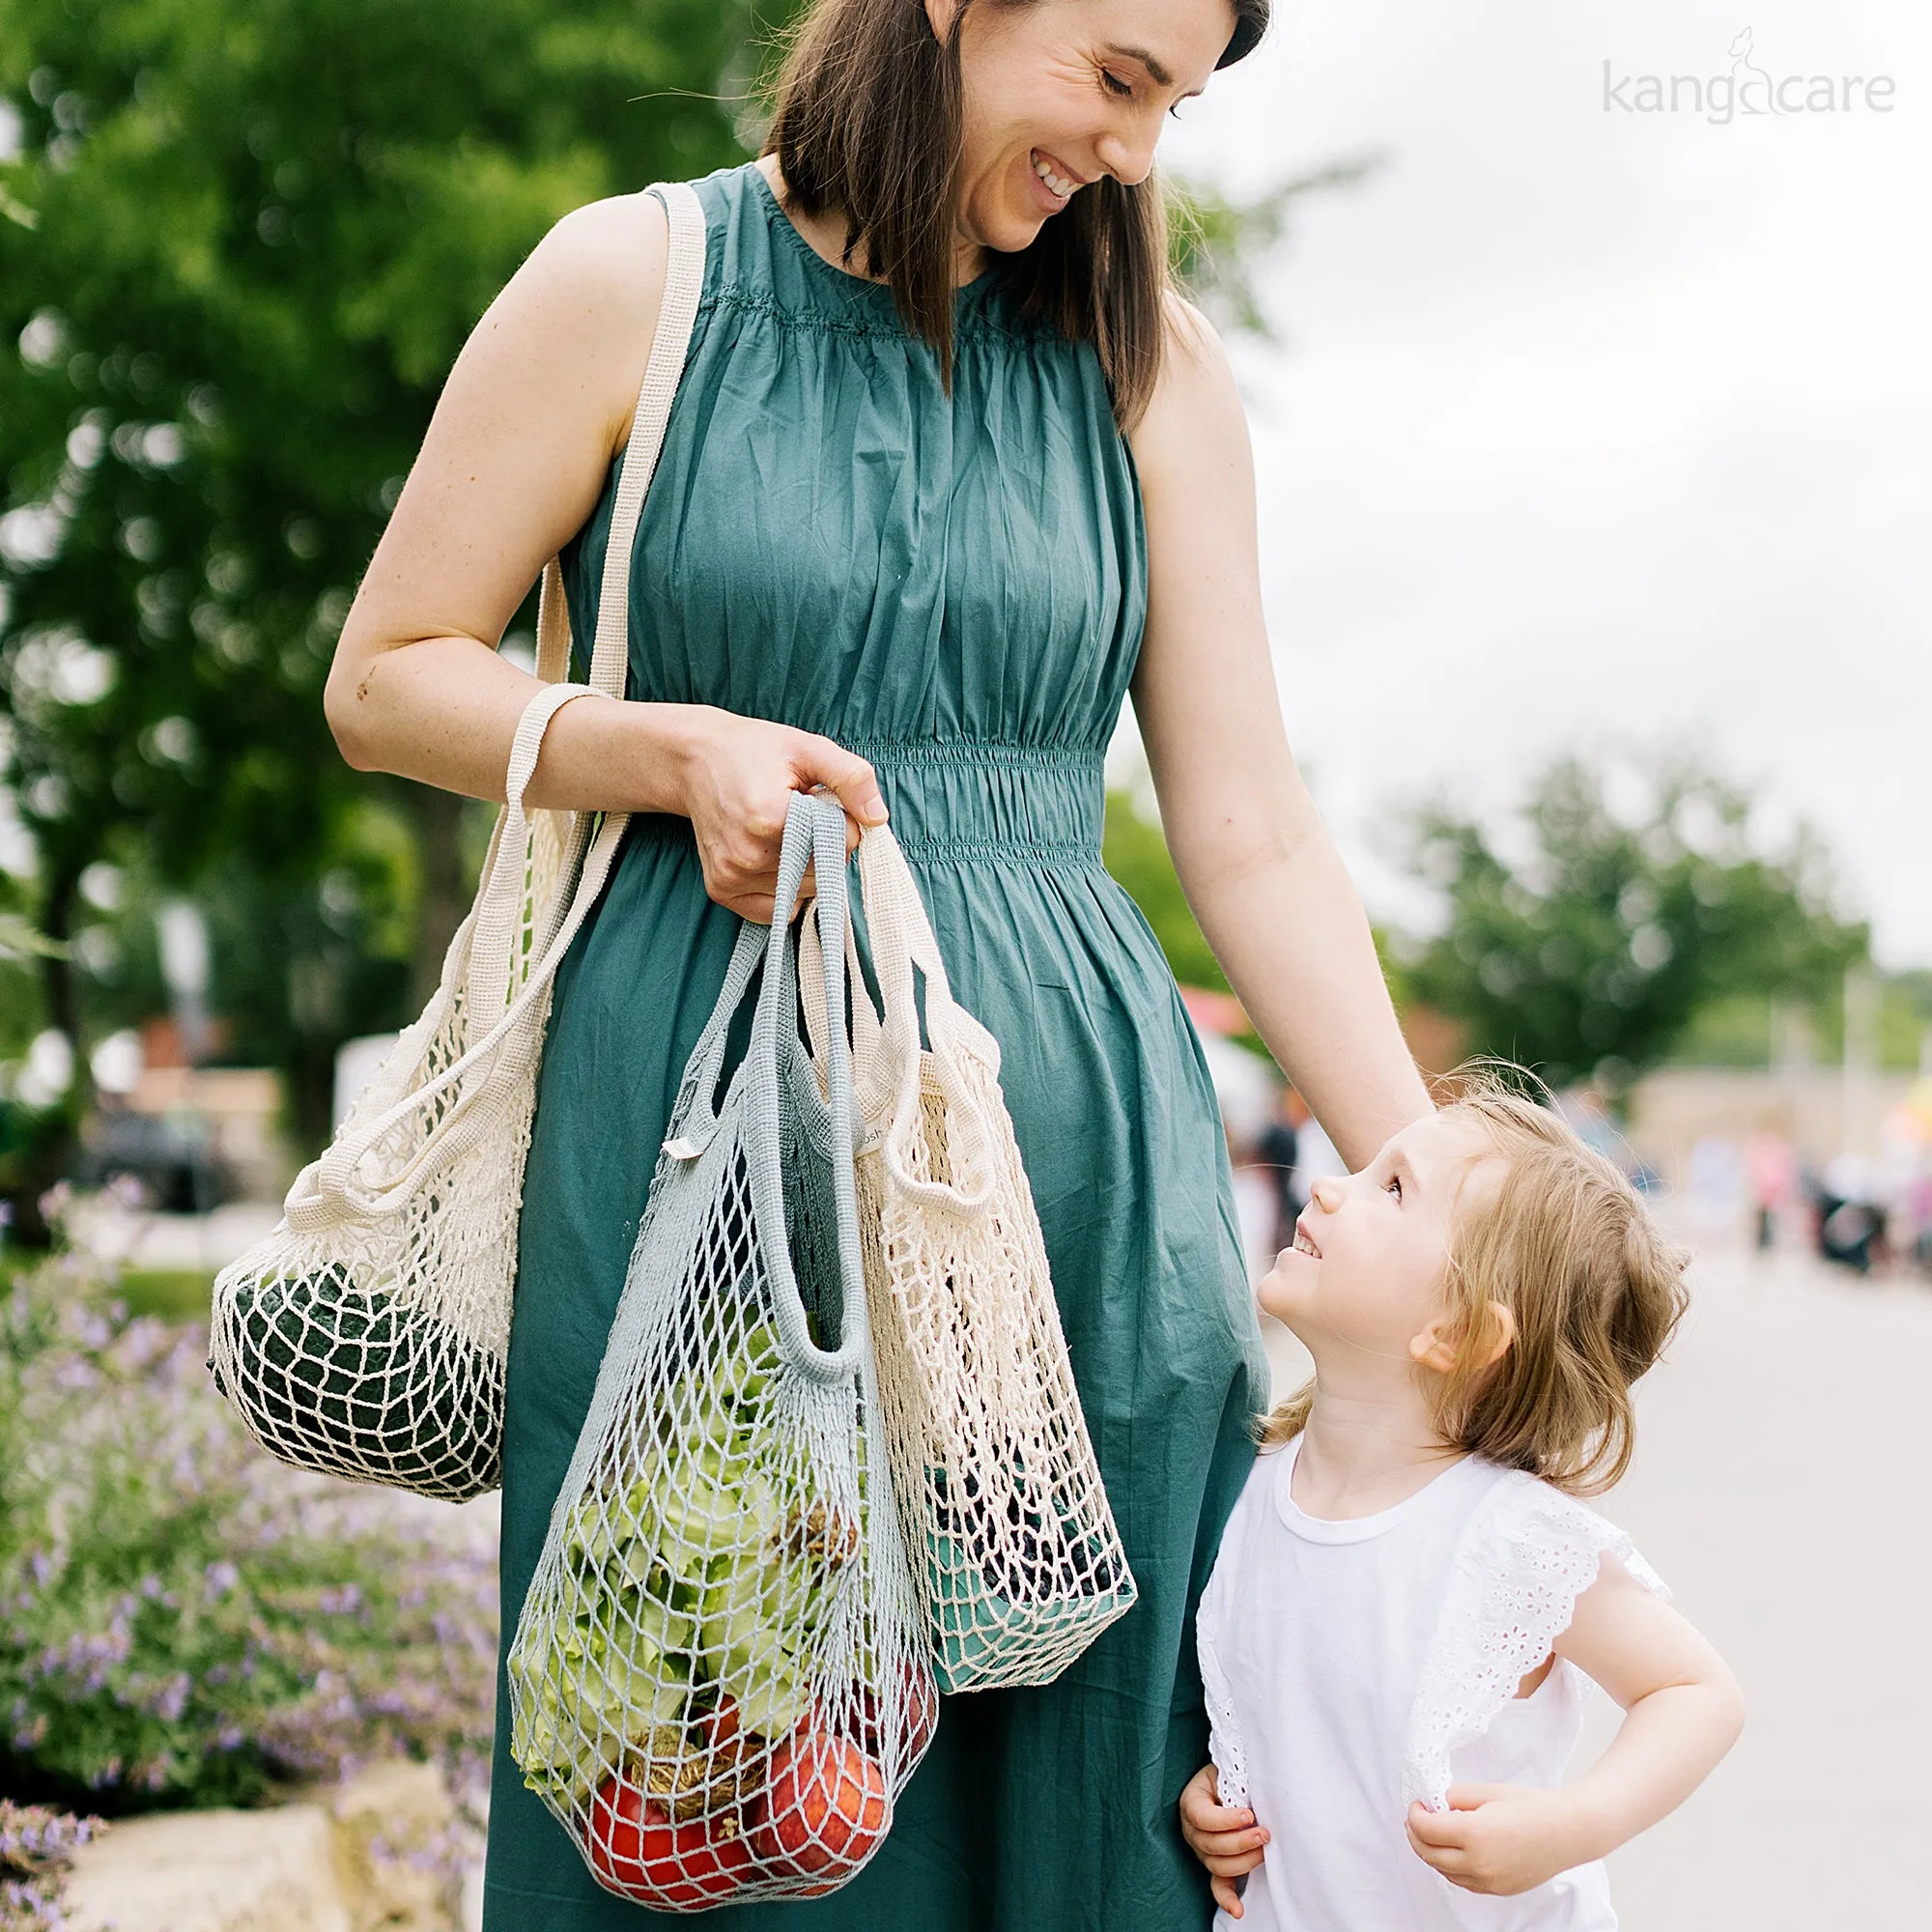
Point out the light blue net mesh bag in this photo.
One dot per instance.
(719, 1682)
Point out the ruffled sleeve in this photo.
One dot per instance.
(1528, 1553)
(1224, 1731)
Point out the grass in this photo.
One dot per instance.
(176, 1294)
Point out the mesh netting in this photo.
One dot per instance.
(366, 1336)
(718, 1680)
(996, 1476)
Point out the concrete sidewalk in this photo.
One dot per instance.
(1782, 1487)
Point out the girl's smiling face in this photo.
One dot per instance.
(1365, 1275)
(1060, 92)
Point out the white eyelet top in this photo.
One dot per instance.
(1355, 1667)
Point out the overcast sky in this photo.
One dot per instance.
(1594, 426)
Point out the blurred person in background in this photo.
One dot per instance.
(1277, 1151)
(1772, 1168)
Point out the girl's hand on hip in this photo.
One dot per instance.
(738, 776)
(1499, 1838)
(1223, 1837)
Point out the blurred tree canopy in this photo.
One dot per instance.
(1588, 948)
(241, 243)
(240, 246)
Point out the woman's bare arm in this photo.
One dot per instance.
(1257, 865)
(536, 407)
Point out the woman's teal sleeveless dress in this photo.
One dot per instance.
(954, 587)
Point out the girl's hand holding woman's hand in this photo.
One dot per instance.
(1223, 1837)
(737, 776)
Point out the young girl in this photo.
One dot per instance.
(1408, 1598)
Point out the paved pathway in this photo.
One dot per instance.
(1784, 1487)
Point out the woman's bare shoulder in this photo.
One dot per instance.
(613, 247)
(1194, 410)
(585, 300)
(1191, 444)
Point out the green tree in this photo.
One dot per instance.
(1590, 954)
(240, 242)
(1135, 852)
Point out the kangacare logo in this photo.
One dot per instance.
(1749, 88)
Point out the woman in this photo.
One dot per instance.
(950, 472)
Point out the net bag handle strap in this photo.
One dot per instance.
(499, 906)
(901, 937)
(697, 1117)
(817, 824)
(873, 1088)
(696, 1114)
(677, 310)
(334, 1188)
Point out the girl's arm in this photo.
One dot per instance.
(1682, 1712)
(536, 407)
(1255, 861)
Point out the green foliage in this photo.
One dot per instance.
(22, 949)
(240, 245)
(30, 1130)
(1590, 956)
(175, 1295)
(1736, 1031)
(19, 940)
(1217, 243)
(1134, 851)
(182, 1621)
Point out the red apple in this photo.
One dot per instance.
(825, 1805)
(637, 1850)
(920, 1699)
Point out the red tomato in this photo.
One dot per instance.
(635, 1849)
(825, 1806)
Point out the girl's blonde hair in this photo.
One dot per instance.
(1568, 1247)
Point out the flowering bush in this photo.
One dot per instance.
(35, 1846)
(184, 1621)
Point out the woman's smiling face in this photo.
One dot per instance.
(1060, 92)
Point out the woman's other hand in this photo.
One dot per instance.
(1223, 1837)
(737, 778)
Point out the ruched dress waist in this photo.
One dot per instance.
(976, 801)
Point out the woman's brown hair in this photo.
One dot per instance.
(1569, 1249)
(869, 126)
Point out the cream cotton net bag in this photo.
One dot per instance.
(718, 1682)
(367, 1336)
(1010, 1533)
